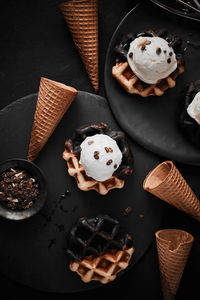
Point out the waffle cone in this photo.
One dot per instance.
(82, 19)
(166, 182)
(173, 248)
(53, 101)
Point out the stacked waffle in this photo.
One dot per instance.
(98, 248)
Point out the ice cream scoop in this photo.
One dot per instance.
(100, 156)
(194, 108)
(151, 59)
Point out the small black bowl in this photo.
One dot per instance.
(33, 170)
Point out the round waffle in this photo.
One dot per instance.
(98, 248)
(130, 82)
(72, 156)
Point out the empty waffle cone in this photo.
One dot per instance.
(103, 268)
(54, 99)
(166, 182)
(82, 19)
(173, 248)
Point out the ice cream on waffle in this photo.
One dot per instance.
(98, 157)
(190, 113)
(98, 248)
(148, 63)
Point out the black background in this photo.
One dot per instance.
(36, 42)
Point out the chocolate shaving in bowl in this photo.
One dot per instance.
(18, 189)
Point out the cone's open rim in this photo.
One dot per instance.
(59, 85)
(174, 237)
(74, 2)
(158, 175)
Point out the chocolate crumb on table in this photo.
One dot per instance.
(127, 211)
(18, 189)
(141, 216)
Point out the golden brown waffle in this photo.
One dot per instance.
(166, 182)
(133, 85)
(82, 19)
(173, 248)
(103, 268)
(86, 183)
(53, 101)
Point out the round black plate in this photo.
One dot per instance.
(153, 121)
(33, 251)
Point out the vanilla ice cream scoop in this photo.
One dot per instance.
(194, 108)
(100, 156)
(151, 59)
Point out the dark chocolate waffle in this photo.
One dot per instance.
(95, 236)
(189, 126)
(73, 145)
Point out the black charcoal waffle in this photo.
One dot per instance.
(95, 235)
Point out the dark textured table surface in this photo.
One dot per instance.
(36, 42)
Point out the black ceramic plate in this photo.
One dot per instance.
(153, 121)
(33, 251)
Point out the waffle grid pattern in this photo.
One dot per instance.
(133, 85)
(85, 183)
(82, 19)
(103, 268)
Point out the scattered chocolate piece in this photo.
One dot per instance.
(169, 60)
(96, 154)
(115, 166)
(109, 162)
(108, 149)
(170, 53)
(143, 47)
(148, 42)
(141, 216)
(131, 54)
(158, 51)
(90, 142)
(127, 210)
(68, 193)
(18, 189)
